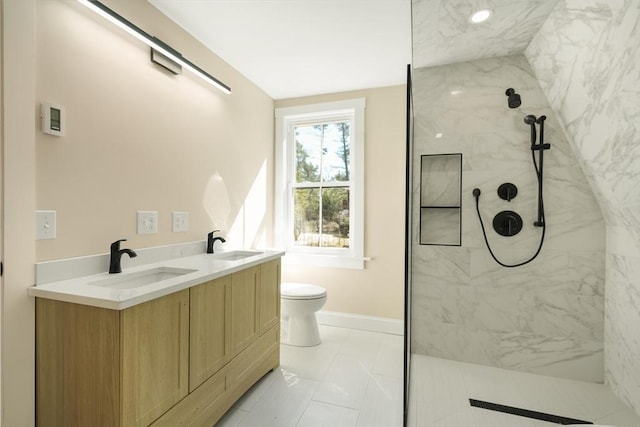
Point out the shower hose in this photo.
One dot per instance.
(541, 220)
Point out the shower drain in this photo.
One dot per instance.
(556, 419)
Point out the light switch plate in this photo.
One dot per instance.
(180, 221)
(147, 222)
(45, 225)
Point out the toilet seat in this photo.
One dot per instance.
(301, 291)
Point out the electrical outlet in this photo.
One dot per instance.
(45, 225)
(147, 222)
(180, 222)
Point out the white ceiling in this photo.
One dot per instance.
(293, 48)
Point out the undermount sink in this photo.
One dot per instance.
(141, 278)
(237, 255)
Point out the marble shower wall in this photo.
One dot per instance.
(546, 317)
(586, 57)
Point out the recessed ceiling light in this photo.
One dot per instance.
(480, 16)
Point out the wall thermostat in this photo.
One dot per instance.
(52, 119)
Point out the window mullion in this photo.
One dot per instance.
(306, 185)
(333, 184)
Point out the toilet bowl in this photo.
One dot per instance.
(299, 303)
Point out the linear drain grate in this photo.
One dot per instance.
(556, 419)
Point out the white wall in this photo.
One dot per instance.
(586, 59)
(545, 317)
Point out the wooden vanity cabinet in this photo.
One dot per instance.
(235, 341)
(179, 360)
(100, 367)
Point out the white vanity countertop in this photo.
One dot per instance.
(206, 267)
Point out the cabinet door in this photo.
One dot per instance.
(77, 365)
(154, 338)
(269, 295)
(209, 337)
(244, 308)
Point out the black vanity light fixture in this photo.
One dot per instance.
(156, 44)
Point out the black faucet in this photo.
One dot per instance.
(116, 254)
(211, 240)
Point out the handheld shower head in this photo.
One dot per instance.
(531, 121)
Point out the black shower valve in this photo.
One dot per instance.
(507, 223)
(507, 191)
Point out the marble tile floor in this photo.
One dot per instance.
(353, 379)
(440, 390)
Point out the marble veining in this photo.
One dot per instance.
(440, 181)
(585, 57)
(548, 316)
(442, 33)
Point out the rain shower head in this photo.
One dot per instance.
(514, 100)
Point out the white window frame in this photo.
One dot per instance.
(286, 118)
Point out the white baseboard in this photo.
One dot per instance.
(366, 323)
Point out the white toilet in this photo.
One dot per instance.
(299, 303)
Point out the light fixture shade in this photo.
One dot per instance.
(153, 42)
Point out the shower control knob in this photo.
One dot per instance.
(507, 223)
(507, 191)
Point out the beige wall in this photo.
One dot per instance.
(139, 138)
(18, 139)
(378, 289)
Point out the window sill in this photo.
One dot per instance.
(319, 260)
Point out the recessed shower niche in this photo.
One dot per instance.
(440, 199)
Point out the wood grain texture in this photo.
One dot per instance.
(77, 365)
(244, 308)
(208, 403)
(269, 295)
(210, 324)
(155, 357)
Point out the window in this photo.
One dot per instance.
(320, 183)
